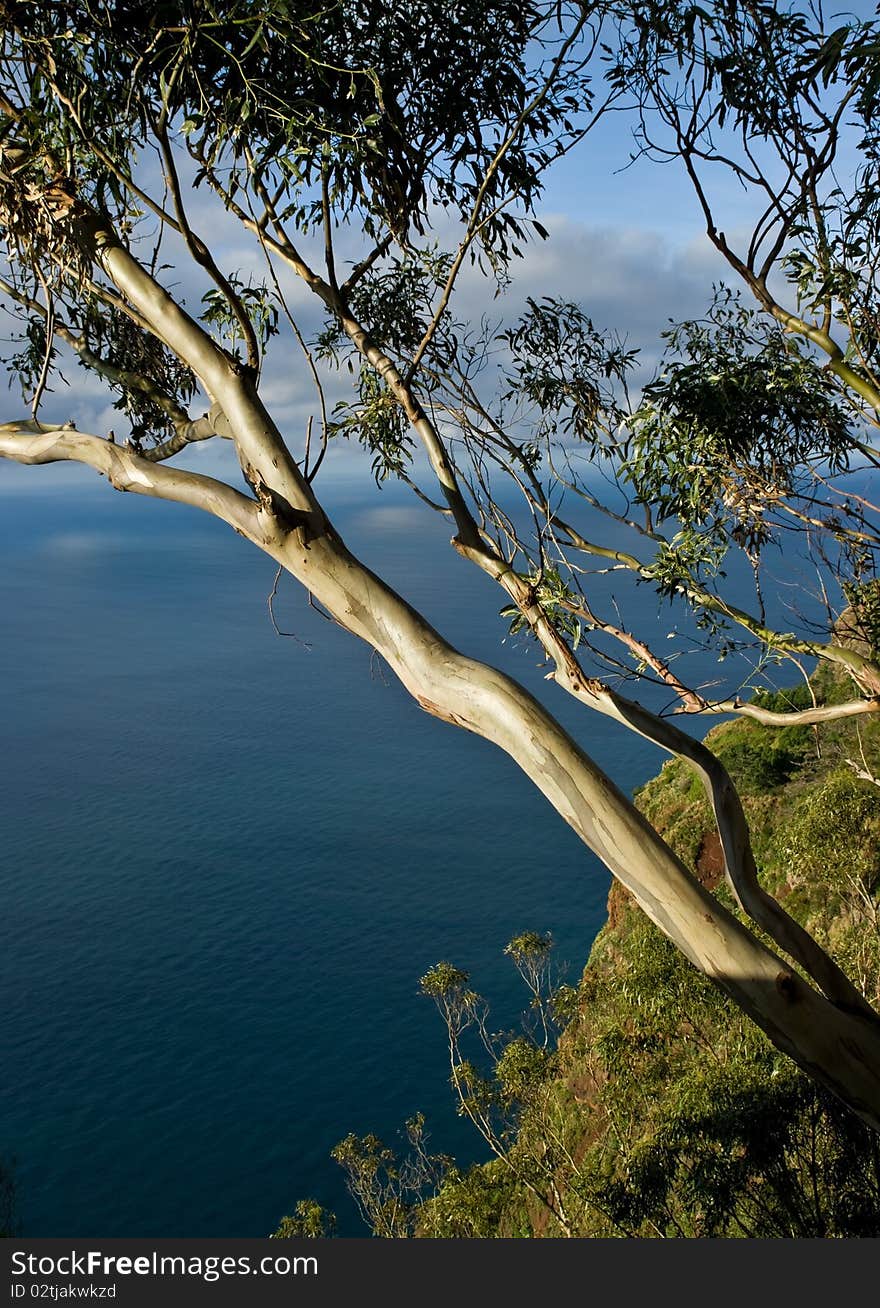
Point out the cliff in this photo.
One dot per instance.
(643, 1102)
(662, 1111)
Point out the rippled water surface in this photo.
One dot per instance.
(227, 858)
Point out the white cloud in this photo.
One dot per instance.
(83, 543)
(630, 277)
(387, 518)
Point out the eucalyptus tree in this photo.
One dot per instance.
(397, 124)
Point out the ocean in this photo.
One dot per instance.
(228, 857)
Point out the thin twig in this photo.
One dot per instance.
(270, 603)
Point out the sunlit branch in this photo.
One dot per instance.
(30, 442)
(186, 428)
(202, 255)
(309, 470)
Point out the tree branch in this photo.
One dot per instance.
(30, 442)
(202, 255)
(266, 460)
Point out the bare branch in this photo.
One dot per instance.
(476, 222)
(31, 442)
(266, 458)
(855, 708)
(202, 255)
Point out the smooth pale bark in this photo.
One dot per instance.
(739, 862)
(856, 708)
(32, 443)
(837, 1046)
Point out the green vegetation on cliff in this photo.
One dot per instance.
(645, 1103)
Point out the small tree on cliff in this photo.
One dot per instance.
(398, 122)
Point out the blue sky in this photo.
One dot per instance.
(627, 244)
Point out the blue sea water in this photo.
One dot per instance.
(226, 859)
